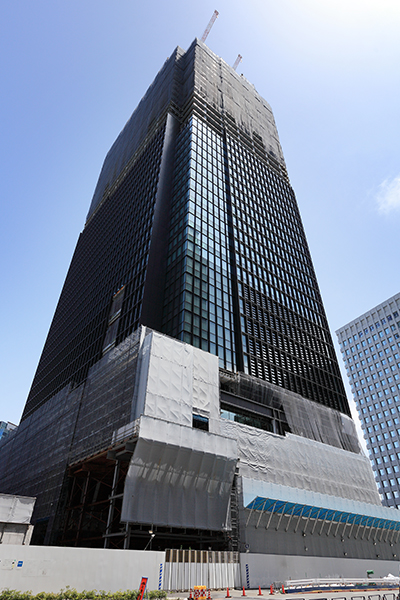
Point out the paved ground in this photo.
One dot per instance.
(374, 594)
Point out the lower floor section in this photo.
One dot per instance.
(265, 518)
(160, 449)
(92, 515)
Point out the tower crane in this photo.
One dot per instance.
(237, 61)
(208, 28)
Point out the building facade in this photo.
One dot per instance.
(370, 348)
(6, 428)
(188, 385)
(195, 224)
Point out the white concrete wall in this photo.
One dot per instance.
(265, 569)
(50, 569)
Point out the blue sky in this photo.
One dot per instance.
(73, 71)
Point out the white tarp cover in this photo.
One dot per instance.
(16, 509)
(179, 476)
(304, 417)
(177, 380)
(295, 462)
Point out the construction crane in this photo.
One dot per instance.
(237, 61)
(208, 28)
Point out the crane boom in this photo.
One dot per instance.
(237, 61)
(208, 28)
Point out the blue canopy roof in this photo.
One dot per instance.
(324, 514)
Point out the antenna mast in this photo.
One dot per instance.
(208, 28)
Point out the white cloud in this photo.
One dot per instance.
(388, 195)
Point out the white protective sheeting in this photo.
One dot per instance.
(300, 463)
(303, 417)
(16, 509)
(180, 477)
(177, 380)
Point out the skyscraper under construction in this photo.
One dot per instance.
(188, 382)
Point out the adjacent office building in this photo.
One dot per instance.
(188, 385)
(370, 348)
(6, 428)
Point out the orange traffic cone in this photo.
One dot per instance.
(227, 593)
(283, 590)
(271, 591)
(259, 591)
(244, 593)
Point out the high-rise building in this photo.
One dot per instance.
(188, 385)
(195, 224)
(370, 348)
(6, 428)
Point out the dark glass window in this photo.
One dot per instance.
(200, 422)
